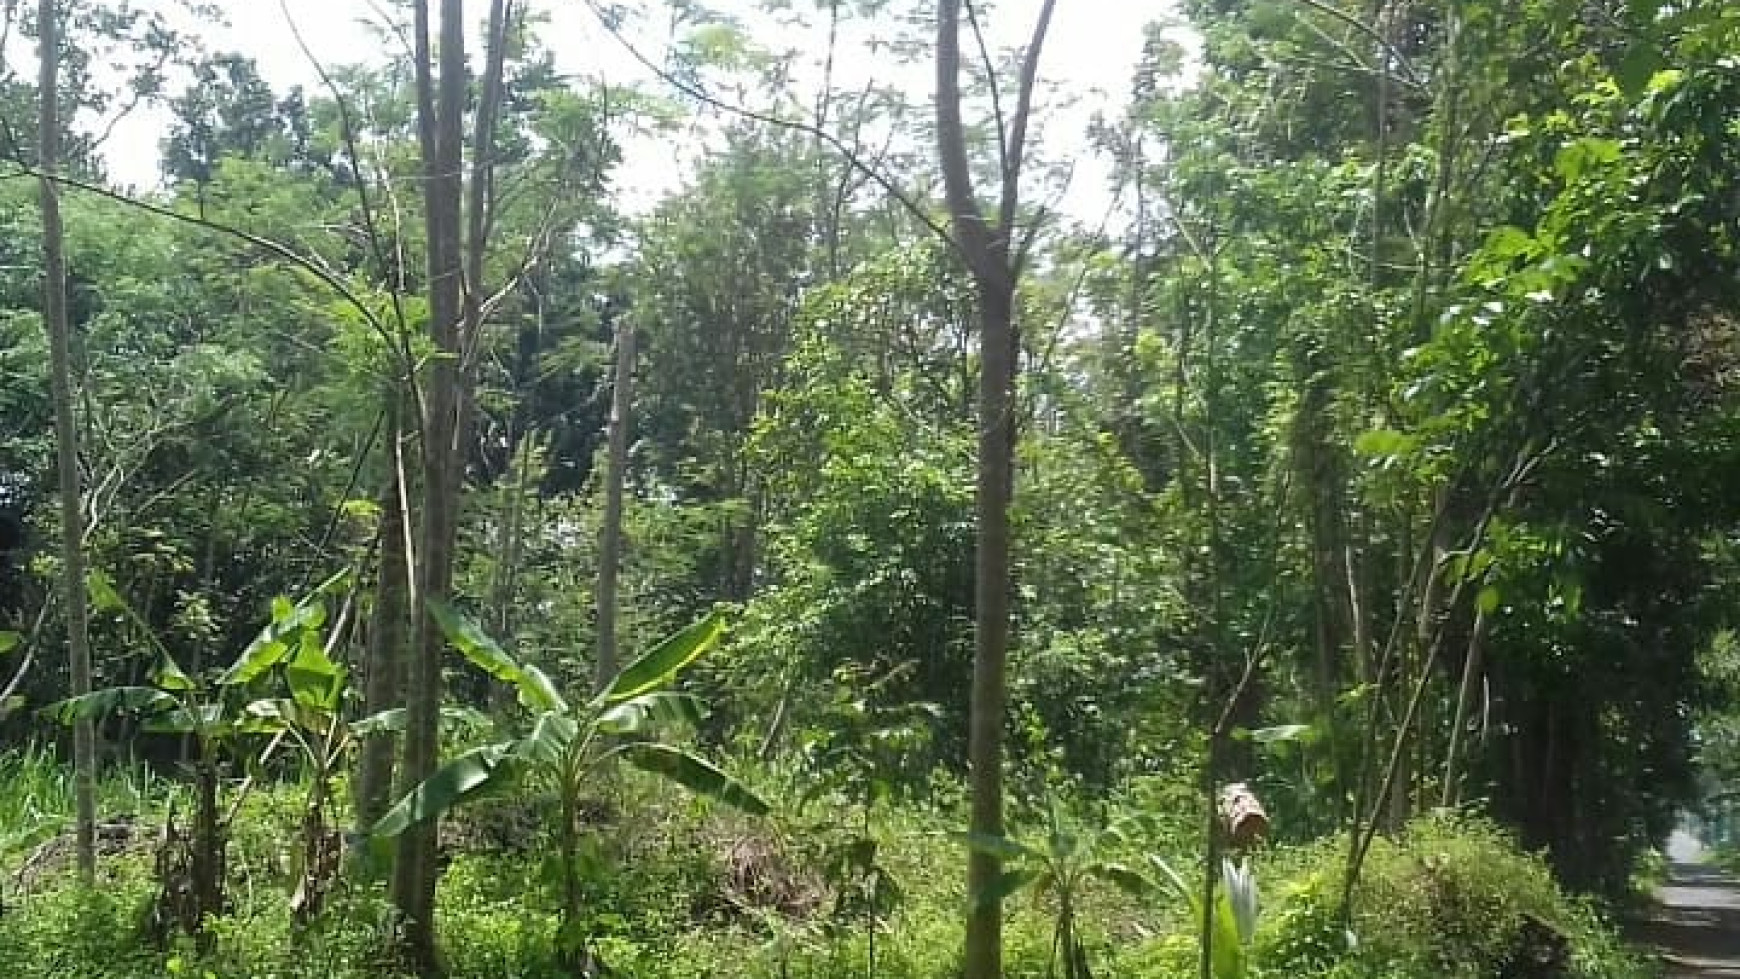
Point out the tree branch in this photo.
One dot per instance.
(1023, 114)
(882, 180)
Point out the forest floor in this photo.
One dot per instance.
(1696, 921)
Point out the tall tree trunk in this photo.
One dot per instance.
(989, 255)
(479, 213)
(66, 435)
(383, 683)
(442, 135)
(610, 536)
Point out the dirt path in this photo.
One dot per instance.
(1697, 924)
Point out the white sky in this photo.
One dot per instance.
(1092, 51)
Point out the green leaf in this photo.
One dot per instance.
(1590, 151)
(1124, 879)
(1508, 243)
(659, 666)
(177, 720)
(652, 709)
(1639, 66)
(538, 691)
(550, 739)
(102, 703)
(279, 712)
(9, 641)
(1383, 442)
(394, 720)
(101, 588)
(169, 676)
(1001, 847)
(473, 643)
(1488, 600)
(272, 645)
(694, 774)
(460, 779)
(1008, 884)
(535, 689)
(1280, 733)
(390, 721)
(315, 681)
(1174, 878)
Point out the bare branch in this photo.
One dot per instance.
(995, 89)
(882, 180)
(1023, 114)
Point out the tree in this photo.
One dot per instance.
(996, 259)
(610, 543)
(74, 605)
(440, 136)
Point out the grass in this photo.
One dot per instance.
(684, 891)
(36, 796)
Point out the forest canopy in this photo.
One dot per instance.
(854, 561)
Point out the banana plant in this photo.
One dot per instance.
(310, 718)
(1062, 865)
(568, 744)
(191, 868)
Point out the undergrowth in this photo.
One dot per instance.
(679, 890)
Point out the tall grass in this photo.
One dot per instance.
(36, 795)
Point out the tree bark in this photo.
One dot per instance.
(56, 322)
(441, 131)
(610, 535)
(989, 256)
(383, 685)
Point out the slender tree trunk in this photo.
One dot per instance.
(610, 536)
(440, 127)
(383, 684)
(56, 322)
(479, 212)
(995, 267)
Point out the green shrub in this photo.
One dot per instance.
(1452, 897)
(70, 931)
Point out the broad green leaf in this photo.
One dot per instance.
(659, 666)
(694, 774)
(101, 703)
(1008, 884)
(1488, 600)
(535, 689)
(176, 720)
(1174, 878)
(1001, 847)
(291, 712)
(460, 779)
(538, 691)
(650, 709)
(315, 681)
(1508, 243)
(272, 645)
(9, 641)
(1280, 733)
(473, 643)
(1383, 442)
(390, 721)
(101, 588)
(394, 720)
(169, 676)
(551, 737)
